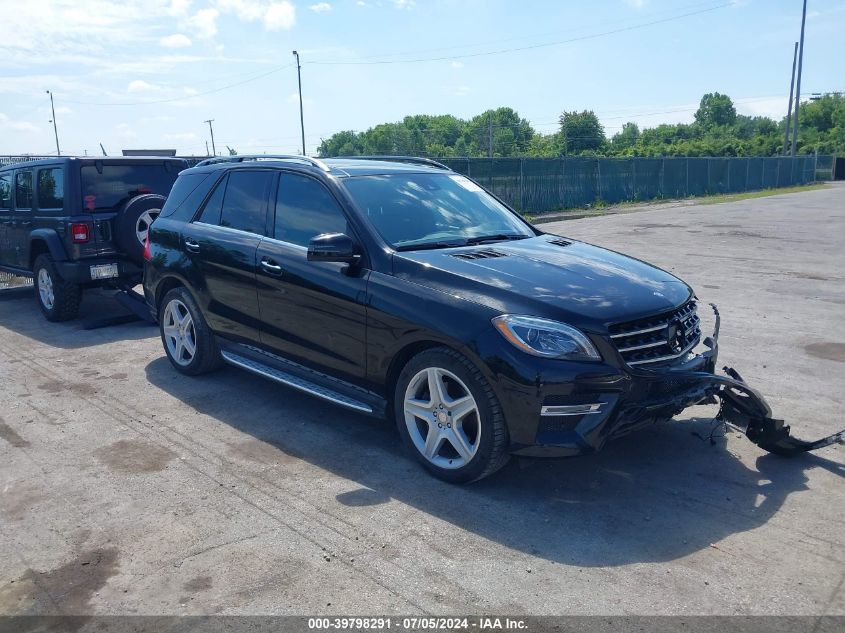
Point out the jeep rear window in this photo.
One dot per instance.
(118, 183)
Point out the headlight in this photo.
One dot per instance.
(542, 337)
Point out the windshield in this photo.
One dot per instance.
(118, 183)
(433, 210)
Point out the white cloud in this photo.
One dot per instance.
(321, 7)
(177, 40)
(274, 15)
(125, 132)
(246, 10)
(19, 126)
(637, 4)
(280, 16)
(179, 7)
(139, 85)
(403, 4)
(457, 64)
(204, 23)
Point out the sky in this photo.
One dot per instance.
(149, 73)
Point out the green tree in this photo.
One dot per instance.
(626, 138)
(581, 132)
(715, 109)
(511, 133)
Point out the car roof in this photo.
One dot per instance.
(340, 167)
(90, 160)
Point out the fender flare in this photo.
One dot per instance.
(54, 243)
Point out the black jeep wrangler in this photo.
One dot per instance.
(73, 223)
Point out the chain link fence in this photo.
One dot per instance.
(537, 185)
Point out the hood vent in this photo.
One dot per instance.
(485, 253)
(559, 241)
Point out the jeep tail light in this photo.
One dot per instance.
(147, 256)
(80, 233)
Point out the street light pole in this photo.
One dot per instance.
(301, 115)
(55, 129)
(789, 109)
(798, 81)
(211, 129)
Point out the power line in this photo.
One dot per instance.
(523, 48)
(534, 36)
(184, 98)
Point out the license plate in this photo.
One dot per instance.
(104, 271)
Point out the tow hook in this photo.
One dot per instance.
(745, 408)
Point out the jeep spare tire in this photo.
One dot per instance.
(133, 222)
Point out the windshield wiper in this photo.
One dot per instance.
(426, 246)
(499, 237)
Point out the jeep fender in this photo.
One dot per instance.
(53, 242)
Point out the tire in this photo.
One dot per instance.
(472, 447)
(190, 345)
(58, 299)
(132, 223)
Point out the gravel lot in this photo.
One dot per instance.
(126, 488)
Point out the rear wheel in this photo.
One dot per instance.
(449, 416)
(58, 299)
(188, 341)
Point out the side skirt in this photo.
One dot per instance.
(287, 372)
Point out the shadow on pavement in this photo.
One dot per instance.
(20, 313)
(658, 495)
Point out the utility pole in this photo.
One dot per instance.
(490, 135)
(789, 108)
(104, 150)
(53, 121)
(206, 149)
(798, 81)
(301, 115)
(211, 129)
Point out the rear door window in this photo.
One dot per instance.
(245, 201)
(23, 189)
(211, 211)
(5, 191)
(51, 188)
(112, 185)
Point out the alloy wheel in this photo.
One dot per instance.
(142, 226)
(45, 289)
(179, 333)
(442, 418)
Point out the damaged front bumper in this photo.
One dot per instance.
(657, 396)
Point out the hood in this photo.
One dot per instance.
(548, 276)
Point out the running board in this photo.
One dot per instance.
(296, 382)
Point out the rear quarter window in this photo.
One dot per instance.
(51, 188)
(187, 195)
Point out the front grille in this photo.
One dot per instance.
(658, 339)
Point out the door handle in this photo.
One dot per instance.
(191, 245)
(270, 267)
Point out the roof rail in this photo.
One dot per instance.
(414, 160)
(256, 157)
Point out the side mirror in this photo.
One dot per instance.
(332, 247)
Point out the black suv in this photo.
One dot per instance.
(73, 223)
(400, 287)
